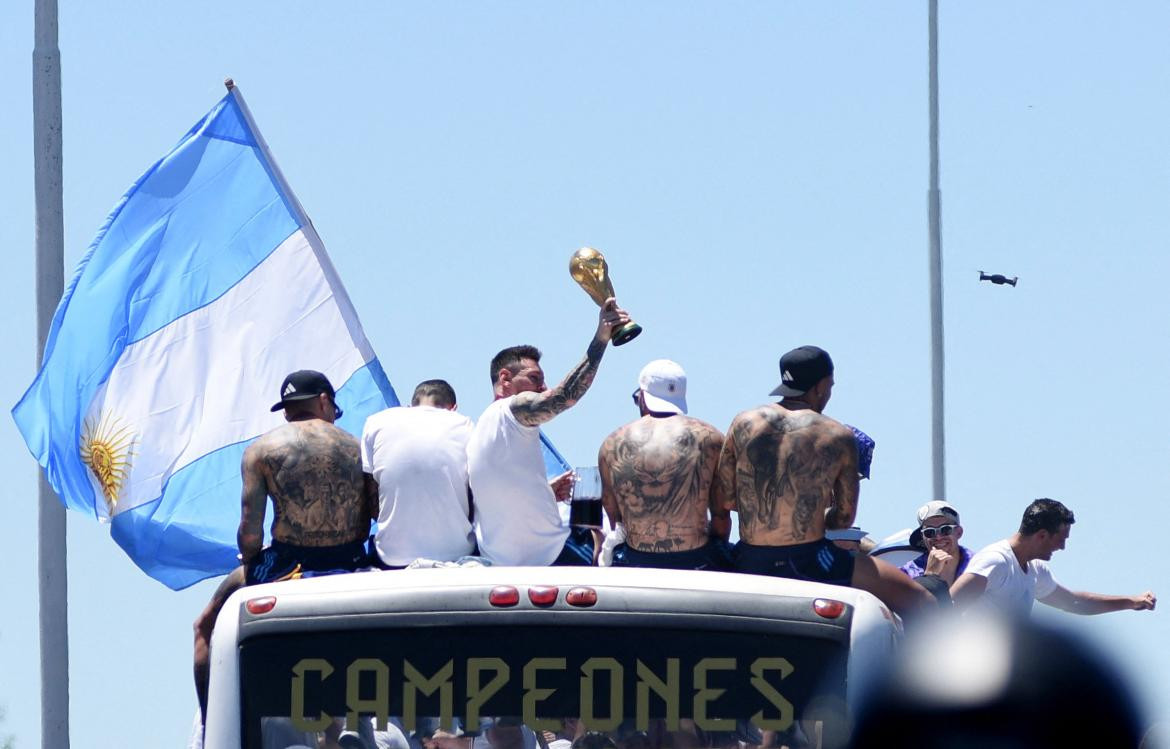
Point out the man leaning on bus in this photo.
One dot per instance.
(321, 508)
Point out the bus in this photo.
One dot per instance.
(542, 658)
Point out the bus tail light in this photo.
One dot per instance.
(263, 605)
(504, 595)
(581, 597)
(543, 595)
(828, 608)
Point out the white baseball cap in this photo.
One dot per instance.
(937, 508)
(664, 387)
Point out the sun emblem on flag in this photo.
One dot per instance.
(106, 447)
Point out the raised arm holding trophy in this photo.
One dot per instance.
(517, 519)
(588, 268)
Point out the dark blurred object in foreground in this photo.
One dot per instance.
(974, 682)
(998, 279)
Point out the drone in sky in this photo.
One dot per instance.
(998, 278)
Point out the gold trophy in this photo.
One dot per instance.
(588, 268)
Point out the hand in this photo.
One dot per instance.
(562, 486)
(610, 317)
(940, 563)
(1145, 602)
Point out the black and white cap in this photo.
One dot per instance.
(801, 369)
(302, 385)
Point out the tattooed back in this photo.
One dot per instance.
(658, 472)
(782, 469)
(313, 472)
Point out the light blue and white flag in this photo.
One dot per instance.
(204, 288)
(554, 463)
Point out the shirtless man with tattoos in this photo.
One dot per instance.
(656, 479)
(322, 506)
(791, 473)
(517, 521)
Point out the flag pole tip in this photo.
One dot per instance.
(229, 83)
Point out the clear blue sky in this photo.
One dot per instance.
(756, 173)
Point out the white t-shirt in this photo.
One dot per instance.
(419, 457)
(516, 517)
(1010, 589)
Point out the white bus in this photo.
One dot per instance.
(541, 658)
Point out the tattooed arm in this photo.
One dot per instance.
(712, 446)
(252, 505)
(608, 497)
(533, 409)
(723, 488)
(846, 487)
(370, 491)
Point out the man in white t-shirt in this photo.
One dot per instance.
(1009, 575)
(516, 516)
(416, 459)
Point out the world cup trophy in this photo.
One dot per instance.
(588, 268)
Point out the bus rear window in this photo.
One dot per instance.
(538, 687)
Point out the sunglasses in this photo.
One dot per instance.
(637, 393)
(942, 530)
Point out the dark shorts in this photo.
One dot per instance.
(716, 555)
(281, 561)
(817, 561)
(578, 551)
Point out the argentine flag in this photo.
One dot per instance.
(204, 288)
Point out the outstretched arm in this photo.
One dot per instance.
(253, 500)
(1085, 603)
(533, 409)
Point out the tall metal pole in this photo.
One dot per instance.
(934, 199)
(50, 270)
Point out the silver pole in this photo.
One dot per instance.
(50, 269)
(934, 199)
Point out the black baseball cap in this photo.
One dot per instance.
(801, 369)
(304, 384)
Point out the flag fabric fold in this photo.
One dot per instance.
(206, 285)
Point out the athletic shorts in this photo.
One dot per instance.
(714, 556)
(817, 561)
(282, 561)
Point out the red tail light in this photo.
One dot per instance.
(828, 608)
(543, 595)
(581, 597)
(504, 595)
(257, 606)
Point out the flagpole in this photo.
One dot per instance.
(50, 284)
(934, 200)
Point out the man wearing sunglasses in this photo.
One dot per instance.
(938, 533)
